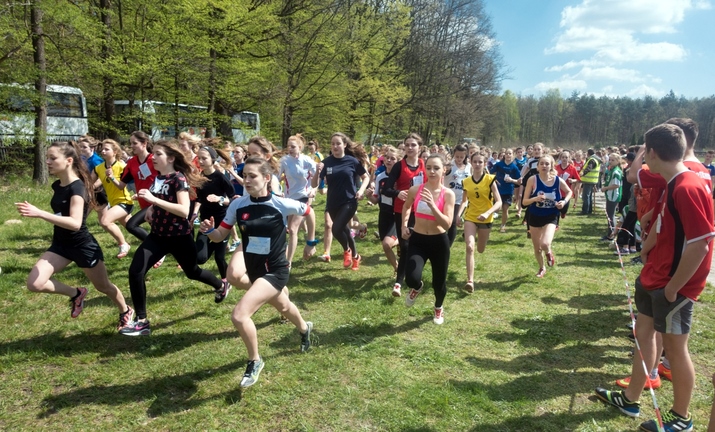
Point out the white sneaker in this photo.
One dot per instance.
(410, 299)
(439, 315)
(396, 290)
(123, 250)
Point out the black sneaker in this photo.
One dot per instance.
(136, 328)
(672, 422)
(220, 294)
(253, 370)
(636, 260)
(618, 400)
(305, 338)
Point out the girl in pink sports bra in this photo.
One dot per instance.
(429, 239)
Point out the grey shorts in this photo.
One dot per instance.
(672, 318)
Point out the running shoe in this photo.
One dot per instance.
(502, 229)
(253, 370)
(347, 258)
(396, 290)
(159, 263)
(77, 302)
(221, 293)
(665, 372)
(356, 263)
(125, 318)
(438, 315)
(672, 422)
(541, 273)
(621, 251)
(528, 234)
(636, 260)
(325, 257)
(550, 259)
(136, 328)
(283, 319)
(123, 250)
(618, 400)
(606, 239)
(410, 299)
(305, 338)
(650, 383)
(469, 287)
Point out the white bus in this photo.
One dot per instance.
(66, 113)
(159, 120)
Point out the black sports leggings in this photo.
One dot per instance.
(341, 225)
(133, 225)
(404, 244)
(150, 252)
(205, 248)
(434, 248)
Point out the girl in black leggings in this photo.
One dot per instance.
(341, 170)
(433, 207)
(171, 231)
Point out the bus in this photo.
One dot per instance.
(159, 120)
(66, 113)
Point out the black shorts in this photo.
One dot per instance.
(506, 200)
(671, 318)
(100, 197)
(278, 279)
(386, 223)
(87, 255)
(541, 221)
(126, 207)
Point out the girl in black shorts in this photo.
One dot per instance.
(262, 269)
(171, 230)
(71, 241)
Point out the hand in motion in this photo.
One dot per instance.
(28, 210)
(406, 232)
(426, 197)
(213, 198)
(402, 195)
(560, 204)
(206, 224)
(109, 173)
(483, 216)
(146, 196)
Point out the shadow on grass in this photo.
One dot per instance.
(170, 394)
(545, 422)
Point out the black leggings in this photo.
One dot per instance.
(452, 232)
(434, 248)
(404, 244)
(150, 252)
(133, 225)
(627, 233)
(205, 248)
(341, 225)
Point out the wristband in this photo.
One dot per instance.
(210, 231)
(312, 243)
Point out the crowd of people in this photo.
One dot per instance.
(253, 201)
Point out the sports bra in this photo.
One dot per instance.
(422, 210)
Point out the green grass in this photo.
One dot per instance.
(520, 354)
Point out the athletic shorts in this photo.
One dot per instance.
(278, 279)
(481, 225)
(100, 197)
(87, 255)
(386, 224)
(541, 221)
(506, 199)
(126, 207)
(672, 318)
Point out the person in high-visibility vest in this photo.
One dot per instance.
(589, 179)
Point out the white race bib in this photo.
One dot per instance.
(145, 171)
(258, 245)
(385, 200)
(417, 180)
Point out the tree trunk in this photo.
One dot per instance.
(39, 172)
(212, 94)
(107, 81)
(287, 124)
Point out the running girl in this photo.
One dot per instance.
(120, 202)
(213, 197)
(432, 205)
(261, 217)
(386, 217)
(545, 194)
(481, 199)
(568, 173)
(171, 230)
(341, 170)
(458, 170)
(71, 240)
(507, 175)
(297, 169)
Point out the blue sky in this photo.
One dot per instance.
(607, 47)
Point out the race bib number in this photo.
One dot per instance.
(417, 180)
(258, 245)
(385, 199)
(144, 171)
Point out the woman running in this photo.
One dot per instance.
(71, 240)
(119, 201)
(507, 176)
(213, 197)
(386, 217)
(481, 199)
(432, 205)
(408, 172)
(458, 170)
(297, 169)
(545, 194)
(568, 173)
(171, 230)
(262, 269)
(341, 171)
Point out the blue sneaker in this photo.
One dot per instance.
(672, 422)
(253, 370)
(618, 400)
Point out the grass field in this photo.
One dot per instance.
(520, 354)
